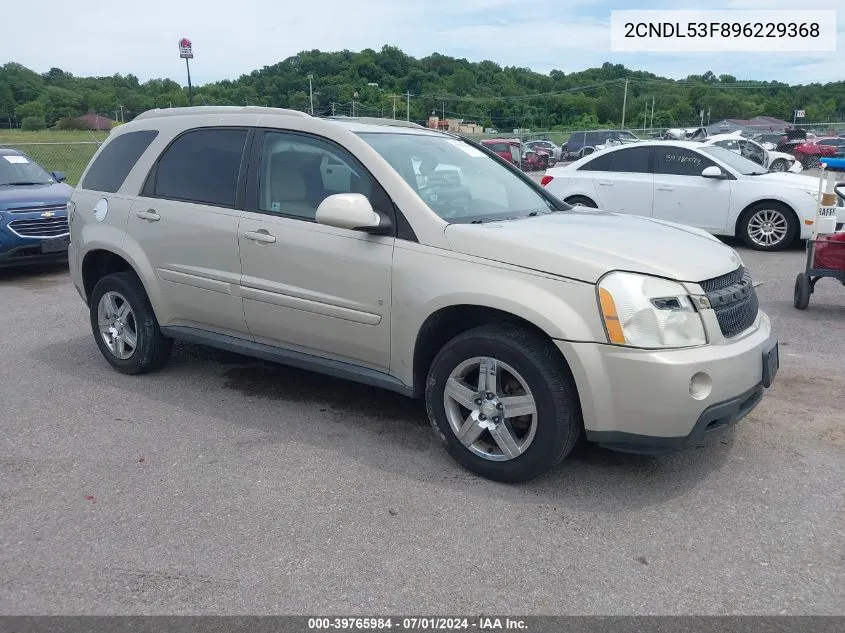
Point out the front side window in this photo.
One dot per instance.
(459, 182)
(202, 166)
(632, 160)
(113, 164)
(677, 161)
(298, 172)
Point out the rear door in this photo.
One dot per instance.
(186, 222)
(623, 180)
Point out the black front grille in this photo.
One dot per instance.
(40, 227)
(734, 301)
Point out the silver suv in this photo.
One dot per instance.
(398, 256)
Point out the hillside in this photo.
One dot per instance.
(503, 97)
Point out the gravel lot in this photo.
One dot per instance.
(226, 485)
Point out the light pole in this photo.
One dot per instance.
(311, 92)
(354, 97)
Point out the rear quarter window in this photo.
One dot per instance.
(116, 160)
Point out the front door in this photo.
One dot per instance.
(683, 195)
(186, 222)
(306, 286)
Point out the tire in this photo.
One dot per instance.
(538, 441)
(582, 201)
(768, 226)
(801, 297)
(151, 349)
(779, 165)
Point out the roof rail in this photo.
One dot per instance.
(377, 121)
(163, 112)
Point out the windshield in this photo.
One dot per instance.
(16, 169)
(459, 182)
(735, 161)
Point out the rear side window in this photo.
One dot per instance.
(202, 166)
(117, 159)
(632, 160)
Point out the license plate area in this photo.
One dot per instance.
(55, 244)
(771, 364)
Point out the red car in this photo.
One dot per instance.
(808, 153)
(506, 148)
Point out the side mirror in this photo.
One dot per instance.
(713, 172)
(352, 211)
(59, 176)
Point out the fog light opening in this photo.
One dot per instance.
(700, 386)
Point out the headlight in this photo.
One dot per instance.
(648, 312)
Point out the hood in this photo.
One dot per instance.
(585, 245)
(51, 194)
(808, 183)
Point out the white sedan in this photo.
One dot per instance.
(690, 183)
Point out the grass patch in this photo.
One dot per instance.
(68, 151)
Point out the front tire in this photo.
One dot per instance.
(768, 226)
(779, 165)
(502, 400)
(125, 327)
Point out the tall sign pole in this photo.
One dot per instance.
(186, 52)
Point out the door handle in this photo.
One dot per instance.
(665, 189)
(261, 236)
(605, 183)
(149, 214)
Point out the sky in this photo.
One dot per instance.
(95, 38)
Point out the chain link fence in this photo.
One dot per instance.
(70, 157)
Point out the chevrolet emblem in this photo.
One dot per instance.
(47, 214)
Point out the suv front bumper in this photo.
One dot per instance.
(642, 401)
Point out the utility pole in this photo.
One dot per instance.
(332, 108)
(311, 92)
(624, 103)
(408, 110)
(444, 110)
(354, 96)
(645, 116)
(394, 106)
(708, 117)
(651, 125)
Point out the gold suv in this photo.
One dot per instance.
(394, 255)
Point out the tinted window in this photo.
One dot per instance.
(117, 159)
(202, 166)
(633, 160)
(679, 162)
(298, 172)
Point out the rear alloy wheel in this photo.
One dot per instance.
(503, 403)
(779, 165)
(768, 226)
(125, 327)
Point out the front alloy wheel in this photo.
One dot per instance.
(490, 408)
(768, 226)
(503, 401)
